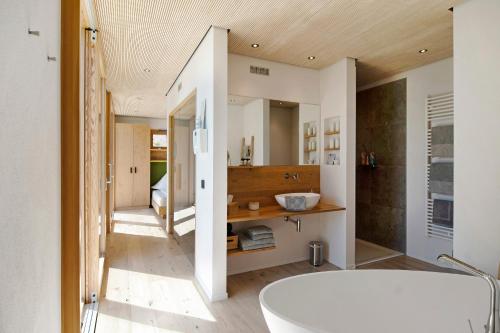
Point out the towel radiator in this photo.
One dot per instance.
(439, 110)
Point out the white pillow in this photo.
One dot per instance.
(161, 185)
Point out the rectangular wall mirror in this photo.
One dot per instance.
(272, 132)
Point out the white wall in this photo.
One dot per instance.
(235, 132)
(256, 123)
(154, 123)
(432, 79)
(476, 51)
(284, 83)
(338, 98)
(30, 193)
(308, 113)
(206, 73)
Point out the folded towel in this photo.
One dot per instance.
(442, 135)
(442, 212)
(441, 187)
(256, 247)
(296, 203)
(258, 230)
(442, 141)
(248, 244)
(441, 172)
(260, 236)
(442, 150)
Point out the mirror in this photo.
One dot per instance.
(272, 132)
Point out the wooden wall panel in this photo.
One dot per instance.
(70, 166)
(91, 169)
(262, 183)
(109, 185)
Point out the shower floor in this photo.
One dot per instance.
(367, 252)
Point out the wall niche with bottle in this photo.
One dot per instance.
(332, 139)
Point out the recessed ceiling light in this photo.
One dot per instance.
(147, 70)
(255, 45)
(311, 57)
(423, 51)
(281, 103)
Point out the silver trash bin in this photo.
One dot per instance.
(316, 253)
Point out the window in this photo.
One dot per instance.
(158, 139)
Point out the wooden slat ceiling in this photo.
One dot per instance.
(146, 43)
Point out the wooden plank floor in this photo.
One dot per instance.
(148, 282)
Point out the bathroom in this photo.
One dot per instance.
(247, 89)
(275, 112)
(284, 122)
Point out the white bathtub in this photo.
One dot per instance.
(376, 301)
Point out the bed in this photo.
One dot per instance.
(159, 202)
(159, 197)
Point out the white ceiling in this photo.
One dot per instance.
(146, 43)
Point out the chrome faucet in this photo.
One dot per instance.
(493, 324)
(294, 176)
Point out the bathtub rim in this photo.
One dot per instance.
(263, 304)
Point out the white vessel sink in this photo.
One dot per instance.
(312, 199)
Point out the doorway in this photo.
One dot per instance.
(381, 172)
(182, 176)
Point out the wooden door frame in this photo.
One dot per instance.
(70, 166)
(108, 166)
(170, 160)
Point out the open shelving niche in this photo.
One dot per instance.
(269, 213)
(311, 143)
(331, 141)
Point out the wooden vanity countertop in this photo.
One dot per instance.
(270, 212)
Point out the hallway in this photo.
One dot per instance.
(148, 281)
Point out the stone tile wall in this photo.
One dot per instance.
(381, 192)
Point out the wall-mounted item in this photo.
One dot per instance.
(331, 142)
(200, 141)
(200, 134)
(33, 32)
(282, 130)
(311, 145)
(440, 166)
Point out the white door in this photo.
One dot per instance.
(124, 163)
(141, 163)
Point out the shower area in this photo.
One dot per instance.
(381, 172)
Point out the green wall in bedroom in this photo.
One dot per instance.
(158, 169)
